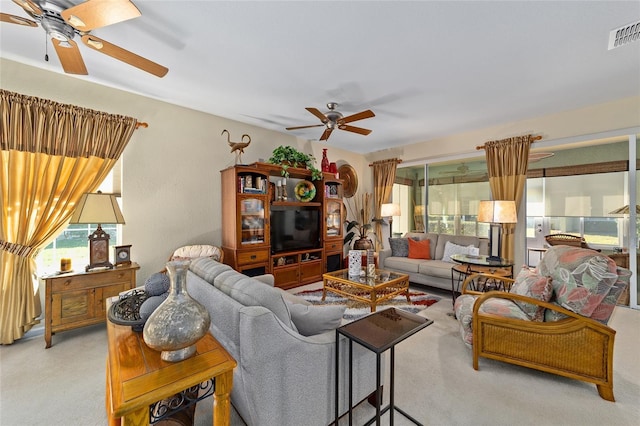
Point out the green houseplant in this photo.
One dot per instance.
(287, 156)
(362, 225)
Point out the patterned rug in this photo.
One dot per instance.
(355, 309)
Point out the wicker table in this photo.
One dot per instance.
(372, 290)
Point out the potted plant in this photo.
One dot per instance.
(361, 226)
(288, 156)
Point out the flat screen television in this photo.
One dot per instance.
(294, 228)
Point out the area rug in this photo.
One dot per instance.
(355, 309)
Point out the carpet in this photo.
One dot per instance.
(355, 309)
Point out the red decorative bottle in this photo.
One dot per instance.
(325, 161)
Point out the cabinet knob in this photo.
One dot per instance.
(253, 256)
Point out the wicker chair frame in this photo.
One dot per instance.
(576, 347)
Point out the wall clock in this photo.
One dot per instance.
(123, 255)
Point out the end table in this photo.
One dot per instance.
(378, 332)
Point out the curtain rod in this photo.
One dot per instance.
(533, 139)
(389, 160)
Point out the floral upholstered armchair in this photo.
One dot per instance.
(552, 318)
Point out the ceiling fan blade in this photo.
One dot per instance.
(326, 134)
(13, 19)
(304, 127)
(355, 129)
(70, 57)
(359, 116)
(29, 6)
(94, 14)
(124, 55)
(317, 113)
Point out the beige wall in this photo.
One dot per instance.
(171, 185)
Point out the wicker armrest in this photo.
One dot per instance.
(518, 297)
(506, 282)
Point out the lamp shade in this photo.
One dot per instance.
(389, 209)
(499, 211)
(97, 208)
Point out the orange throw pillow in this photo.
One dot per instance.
(419, 249)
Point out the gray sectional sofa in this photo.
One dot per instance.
(433, 272)
(283, 377)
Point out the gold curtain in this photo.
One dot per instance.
(51, 154)
(384, 175)
(507, 162)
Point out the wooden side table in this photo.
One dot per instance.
(77, 299)
(137, 377)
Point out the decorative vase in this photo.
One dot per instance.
(179, 322)
(325, 161)
(362, 244)
(355, 262)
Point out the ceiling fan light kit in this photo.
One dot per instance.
(334, 119)
(62, 20)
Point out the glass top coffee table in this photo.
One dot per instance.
(371, 290)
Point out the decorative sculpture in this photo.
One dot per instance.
(237, 147)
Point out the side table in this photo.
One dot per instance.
(472, 264)
(137, 377)
(378, 332)
(77, 299)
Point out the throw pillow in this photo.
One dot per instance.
(312, 319)
(419, 249)
(399, 247)
(451, 249)
(529, 283)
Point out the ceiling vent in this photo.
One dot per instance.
(624, 35)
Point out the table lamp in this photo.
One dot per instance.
(496, 213)
(98, 208)
(389, 210)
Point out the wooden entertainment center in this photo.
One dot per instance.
(306, 239)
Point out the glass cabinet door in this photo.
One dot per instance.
(252, 220)
(333, 226)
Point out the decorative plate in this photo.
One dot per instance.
(350, 180)
(305, 191)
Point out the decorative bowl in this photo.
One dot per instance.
(305, 191)
(126, 311)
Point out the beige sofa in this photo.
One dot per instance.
(433, 272)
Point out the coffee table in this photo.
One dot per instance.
(372, 290)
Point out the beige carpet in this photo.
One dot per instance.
(64, 385)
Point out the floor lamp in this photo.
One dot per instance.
(497, 213)
(389, 210)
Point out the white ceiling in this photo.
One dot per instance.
(427, 69)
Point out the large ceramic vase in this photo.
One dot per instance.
(362, 244)
(179, 322)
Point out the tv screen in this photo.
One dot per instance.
(294, 228)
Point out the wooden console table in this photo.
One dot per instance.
(138, 378)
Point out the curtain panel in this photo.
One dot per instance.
(384, 175)
(507, 162)
(51, 154)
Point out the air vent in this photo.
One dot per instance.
(624, 35)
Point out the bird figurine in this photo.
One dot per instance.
(237, 147)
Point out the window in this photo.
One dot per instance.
(73, 242)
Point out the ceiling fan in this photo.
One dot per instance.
(63, 20)
(334, 119)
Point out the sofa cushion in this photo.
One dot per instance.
(451, 248)
(312, 319)
(529, 283)
(399, 247)
(435, 268)
(582, 278)
(419, 249)
(461, 240)
(404, 264)
(252, 292)
(207, 268)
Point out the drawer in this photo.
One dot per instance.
(245, 258)
(331, 246)
(91, 280)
